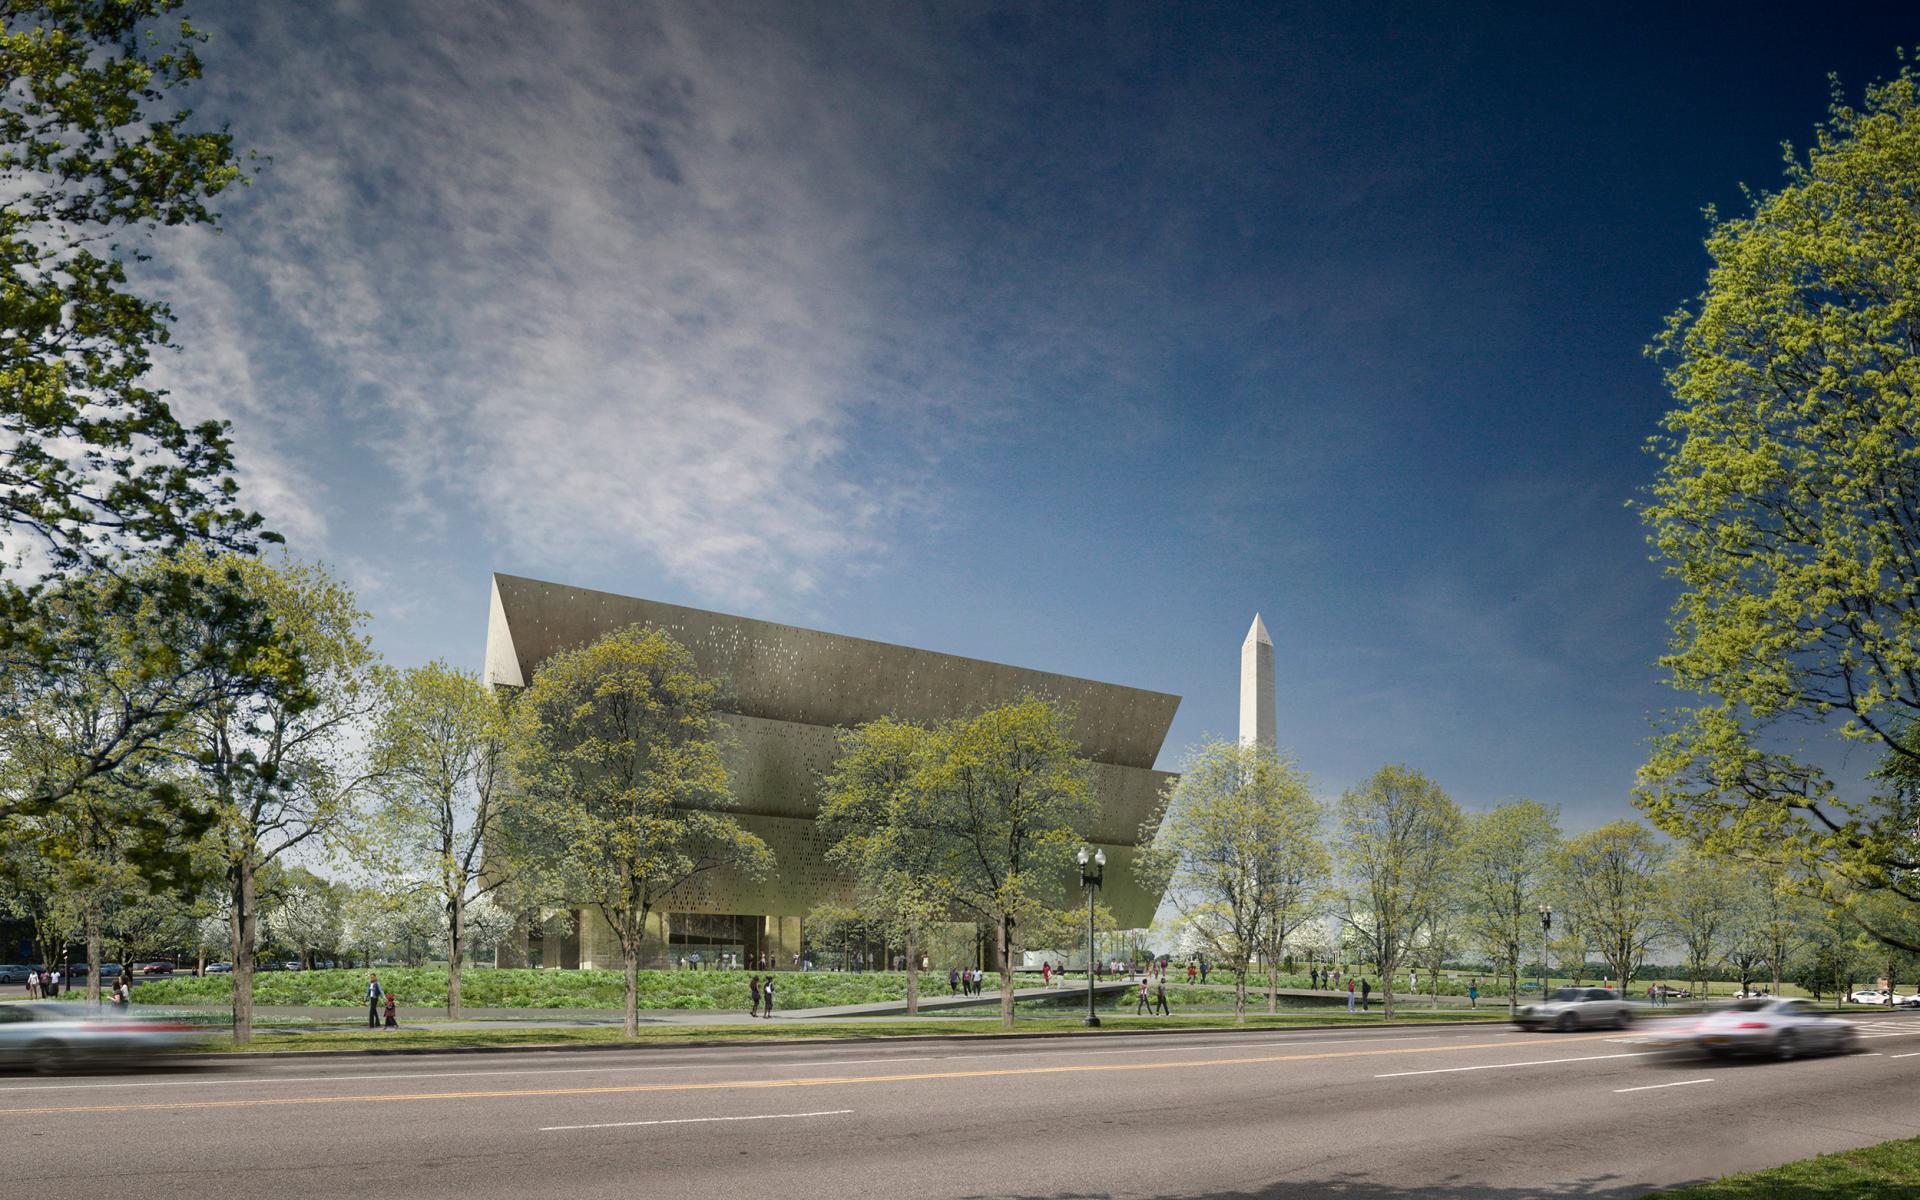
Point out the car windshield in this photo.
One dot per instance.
(1568, 994)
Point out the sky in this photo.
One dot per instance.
(1065, 335)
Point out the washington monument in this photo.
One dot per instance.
(1256, 687)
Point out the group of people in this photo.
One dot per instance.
(1155, 986)
(965, 981)
(43, 986)
(762, 993)
(381, 1004)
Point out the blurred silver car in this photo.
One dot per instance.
(51, 1036)
(1570, 1008)
(1772, 1025)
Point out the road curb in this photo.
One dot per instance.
(802, 1040)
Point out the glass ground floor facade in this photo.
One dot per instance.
(676, 941)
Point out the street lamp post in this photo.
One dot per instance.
(1546, 927)
(1090, 875)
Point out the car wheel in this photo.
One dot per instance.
(1624, 1020)
(1568, 1022)
(1849, 1042)
(1784, 1046)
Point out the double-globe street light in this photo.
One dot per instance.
(1091, 872)
(1546, 927)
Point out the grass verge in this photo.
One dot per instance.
(1883, 1172)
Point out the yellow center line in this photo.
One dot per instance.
(805, 1081)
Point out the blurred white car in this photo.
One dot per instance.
(1774, 1026)
(1878, 996)
(1571, 1008)
(54, 1037)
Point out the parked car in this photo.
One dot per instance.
(1672, 993)
(219, 968)
(157, 967)
(1772, 1025)
(13, 973)
(53, 1037)
(1571, 1008)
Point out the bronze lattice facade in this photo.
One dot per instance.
(788, 691)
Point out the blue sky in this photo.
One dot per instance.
(1065, 335)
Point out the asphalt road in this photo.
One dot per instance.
(1432, 1112)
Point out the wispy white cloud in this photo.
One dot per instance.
(591, 278)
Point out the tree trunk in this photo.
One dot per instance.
(243, 922)
(1273, 989)
(630, 934)
(1513, 984)
(456, 947)
(93, 952)
(1240, 993)
(1006, 971)
(913, 975)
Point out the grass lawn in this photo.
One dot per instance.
(427, 1037)
(1883, 1172)
(488, 987)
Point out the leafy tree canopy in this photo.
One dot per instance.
(93, 146)
(1787, 506)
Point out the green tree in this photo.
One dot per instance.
(1610, 883)
(1505, 867)
(1238, 854)
(893, 862)
(1701, 910)
(1399, 831)
(1002, 798)
(95, 146)
(626, 778)
(1787, 506)
(443, 746)
(273, 761)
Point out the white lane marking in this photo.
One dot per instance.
(1655, 1086)
(1538, 1062)
(1910, 1054)
(757, 1061)
(836, 1112)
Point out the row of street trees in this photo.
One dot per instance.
(1257, 868)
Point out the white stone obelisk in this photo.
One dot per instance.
(1256, 688)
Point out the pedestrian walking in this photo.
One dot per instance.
(753, 990)
(1160, 999)
(373, 1001)
(766, 997)
(1046, 974)
(392, 1012)
(33, 985)
(1413, 981)
(1349, 995)
(1366, 993)
(1142, 1006)
(1473, 994)
(1193, 972)
(1205, 966)
(1313, 977)
(953, 980)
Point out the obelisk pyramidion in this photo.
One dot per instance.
(1256, 688)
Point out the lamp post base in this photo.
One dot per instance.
(1093, 1022)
